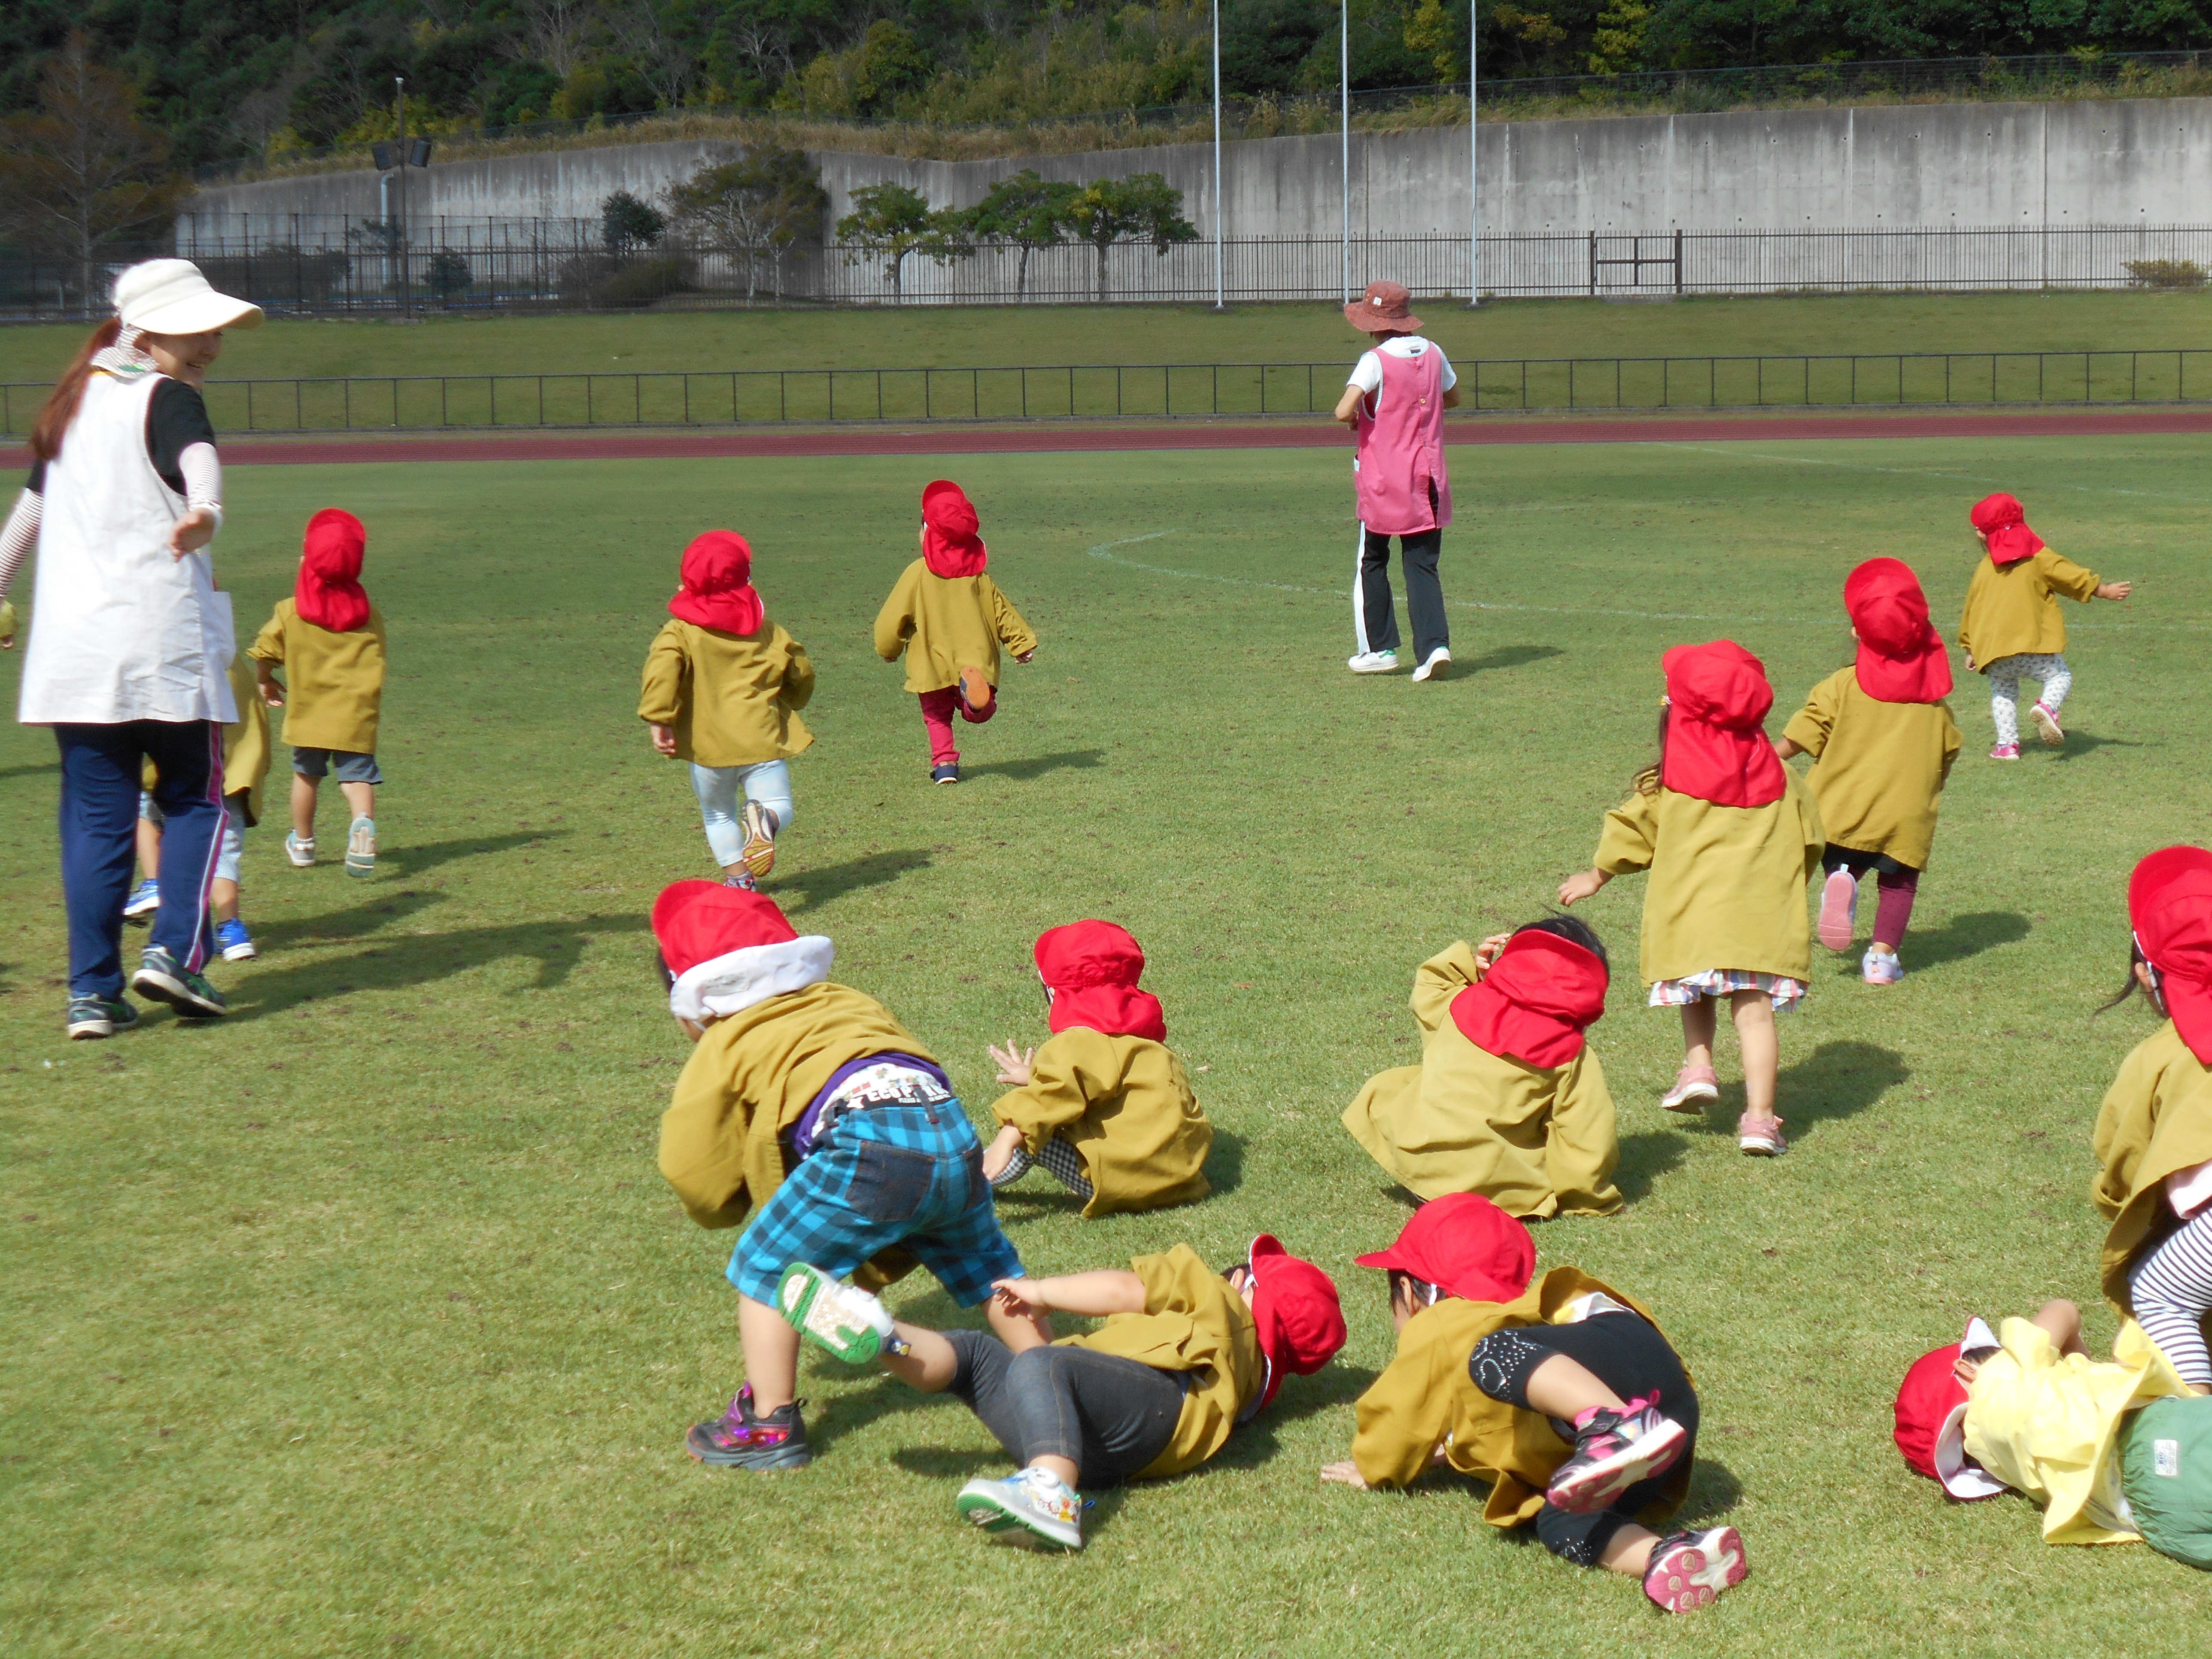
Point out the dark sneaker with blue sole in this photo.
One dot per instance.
(162, 978)
(98, 1017)
(740, 1440)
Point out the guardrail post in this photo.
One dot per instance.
(1678, 261)
(1592, 266)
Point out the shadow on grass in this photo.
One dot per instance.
(415, 860)
(1254, 1442)
(1643, 1159)
(1714, 1492)
(1068, 760)
(342, 927)
(1960, 938)
(29, 769)
(813, 887)
(2079, 743)
(1225, 1162)
(1505, 657)
(1837, 1079)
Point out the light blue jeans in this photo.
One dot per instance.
(769, 783)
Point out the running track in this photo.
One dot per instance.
(1039, 439)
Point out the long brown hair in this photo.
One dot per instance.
(53, 422)
(1646, 782)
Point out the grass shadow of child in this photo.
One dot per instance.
(1504, 657)
(1037, 765)
(1713, 1493)
(1962, 937)
(1836, 1080)
(819, 886)
(1643, 1159)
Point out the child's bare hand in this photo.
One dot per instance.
(1013, 1062)
(1575, 888)
(1026, 655)
(272, 694)
(1487, 952)
(664, 737)
(1018, 1296)
(1345, 1473)
(2116, 590)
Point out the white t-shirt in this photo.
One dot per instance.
(1367, 373)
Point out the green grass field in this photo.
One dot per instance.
(996, 335)
(362, 1321)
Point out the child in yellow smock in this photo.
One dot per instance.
(1731, 839)
(722, 690)
(2012, 628)
(949, 619)
(1509, 1100)
(1882, 740)
(1105, 1105)
(329, 639)
(1551, 1393)
(245, 765)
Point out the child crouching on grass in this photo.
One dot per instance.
(1105, 1106)
(1731, 839)
(1563, 1395)
(330, 640)
(1185, 1356)
(245, 765)
(956, 619)
(794, 1073)
(1509, 1101)
(723, 688)
(1882, 740)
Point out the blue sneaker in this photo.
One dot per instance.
(161, 978)
(233, 941)
(145, 899)
(98, 1017)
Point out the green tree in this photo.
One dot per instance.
(1025, 212)
(627, 223)
(447, 275)
(1617, 43)
(1143, 208)
(753, 209)
(889, 221)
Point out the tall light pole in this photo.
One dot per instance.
(406, 298)
(1219, 302)
(1344, 111)
(1474, 158)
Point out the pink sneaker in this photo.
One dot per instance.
(1688, 1569)
(2005, 751)
(1840, 910)
(2047, 726)
(1614, 1451)
(1693, 1086)
(1760, 1137)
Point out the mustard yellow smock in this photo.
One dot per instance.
(952, 622)
(245, 743)
(2156, 1121)
(333, 682)
(1879, 768)
(2010, 610)
(1125, 1103)
(734, 699)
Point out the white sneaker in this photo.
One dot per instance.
(1881, 967)
(842, 1318)
(301, 853)
(1038, 1503)
(1433, 669)
(1373, 662)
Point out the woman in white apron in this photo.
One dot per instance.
(131, 643)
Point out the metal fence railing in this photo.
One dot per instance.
(572, 272)
(1171, 391)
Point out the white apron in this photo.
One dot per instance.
(120, 630)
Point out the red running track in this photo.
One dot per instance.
(1041, 440)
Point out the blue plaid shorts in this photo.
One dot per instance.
(884, 1176)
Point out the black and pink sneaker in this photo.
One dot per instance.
(1688, 1569)
(739, 1440)
(1613, 1450)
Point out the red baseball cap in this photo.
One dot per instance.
(1931, 1418)
(1301, 1323)
(1465, 1246)
(2170, 907)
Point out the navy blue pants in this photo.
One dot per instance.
(101, 770)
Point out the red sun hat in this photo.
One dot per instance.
(2004, 521)
(2170, 909)
(729, 948)
(1534, 1001)
(1716, 746)
(718, 589)
(1385, 308)
(1901, 656)
(1465, 1246)
(951, 544)
(1931, 1420)
(1294, 1306)
(328, 591)
(1092, 967)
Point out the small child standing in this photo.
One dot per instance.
(329, 639)
(1105, 1106)
(245, 765)
(723, 688)
(1509, 1100)
(1731, 839)
(807, 1099)
(2153, 1138)
(1883, 741)
(2012, 628)
(1550, 1393)
(956, 619)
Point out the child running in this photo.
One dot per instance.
(1553, 1393)
(807, 1099)
(1509, 1100)
(244, 766)
(1882, 742)
(956, 619)
(2012, 628)
(1105, 1106)
(723, 688)
(2153, 1138)
(1185, 1355)
(1730, 840)
(329, 639)
(2034, 1413)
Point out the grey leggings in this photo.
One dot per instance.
(1109, 1416)
(2171, 1289)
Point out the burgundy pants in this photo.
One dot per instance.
(937, 711)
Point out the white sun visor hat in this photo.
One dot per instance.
(170, 296)
(1961, 1477)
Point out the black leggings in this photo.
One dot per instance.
(1109, 1416)
(1628, 1355)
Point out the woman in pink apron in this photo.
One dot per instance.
(1395, 403)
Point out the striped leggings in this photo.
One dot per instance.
(2172, 1289)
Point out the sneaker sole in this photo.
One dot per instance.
(1385, 668)
(758, 854)
(239, 953)
(799, 1298)
(2047, 729)
(1757, 1146)
(997, 1519)
(179, 995)
(1838, 903)
(301, 860)
(88, 1030)
(1696, 1579)
(1598, 1485)
(1691, 1099)
(140, 918)
(787, 1457)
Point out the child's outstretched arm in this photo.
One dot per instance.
(797, 679)
(1006, 622)
(1575, 888)
(895, 622)
(1093, 1295)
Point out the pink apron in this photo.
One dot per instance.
(1403, 489)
